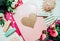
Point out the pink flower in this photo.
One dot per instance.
(58, 21)
(51, 27)
(53, 33)
(50, 40)
(43, 36)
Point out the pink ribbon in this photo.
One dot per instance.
(9, 16)
(19, 3)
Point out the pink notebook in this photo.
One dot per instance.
(29, 34)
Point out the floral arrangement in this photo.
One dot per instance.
(52, 33)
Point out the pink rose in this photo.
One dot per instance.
(51, 27)
(50, 40)
(58, 21)
(53, 33)
(43, 36)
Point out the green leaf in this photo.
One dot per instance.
(2, 22)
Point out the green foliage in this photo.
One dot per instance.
(2, 22)
(5, 5)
